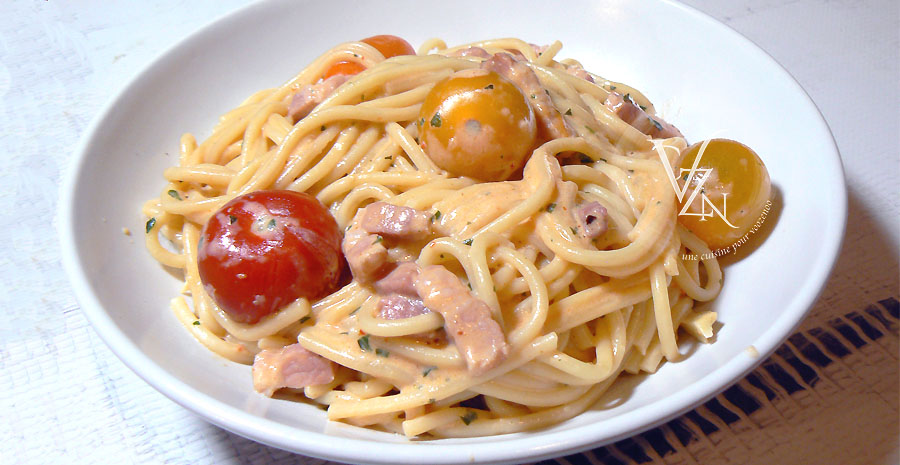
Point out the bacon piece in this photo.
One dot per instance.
(365, 253)
(310, 95)
(397, 306)
(631, 113)
(467, 319)
(396, 222)
(580, 72)
(550, 121)
(471, 52)
(289, 367)
(401, 280)
(592, 219)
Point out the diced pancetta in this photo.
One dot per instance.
(550, 121)
(365, 253)
(310, 95)
(395, 221)
(467, 319)
(471, 52)
(631, 113)
(397, 306)
(592, 220)
(401, 280)
(289, 367)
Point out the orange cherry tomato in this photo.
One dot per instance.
(265, 249)
(476, 123)
(737, 186)
(388, 45)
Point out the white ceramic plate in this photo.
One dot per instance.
(705, 78)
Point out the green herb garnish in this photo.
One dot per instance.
(551, 207)
(364, 343)
(436, 120)
(150, 224)
(174, 194)
(382, 353)
(468, 241)
(569, 112)
(469, 417)
(428, 370)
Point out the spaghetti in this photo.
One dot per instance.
(575, 309)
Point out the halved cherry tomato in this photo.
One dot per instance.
(476, 123)
(265, 249)
(388, 45)
(738, 187)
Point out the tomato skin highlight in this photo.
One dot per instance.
(388, 45)
(263, 250)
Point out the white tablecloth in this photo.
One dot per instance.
(828, 396)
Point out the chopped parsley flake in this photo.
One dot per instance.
(428, 370)
(436, 120)
(551, 207)
(436, 216)
(364, 343)
(611, 87)
(196, 322)
(382, 353)
(470, 286)
(150, 224)
(378, 239)
(271, 224)
(469, 417)
(590, 129)
(468, 241)
(305, 319)
(569, 112)
(533, 96)
(174, 194)
(489, 86)
(232, 219)
(421, 121)
(574, 230)
(355, 310)
(655, 123)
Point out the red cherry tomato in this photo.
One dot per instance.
(265, 249)
(388, 45)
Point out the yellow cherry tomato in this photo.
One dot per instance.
(732, 197)
(476, 123)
